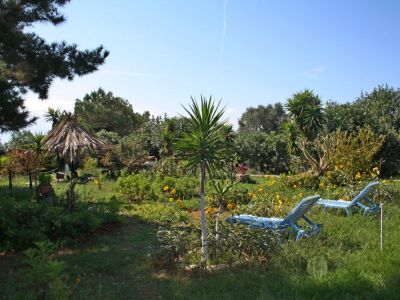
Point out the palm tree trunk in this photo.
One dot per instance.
(203, 213)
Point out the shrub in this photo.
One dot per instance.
(45, 273)
(352, 156)
(233, 245)
(136, 187)
(265, 152)
(22, 223)
(178, 187)
(302, 180)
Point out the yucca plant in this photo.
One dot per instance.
(203, 147)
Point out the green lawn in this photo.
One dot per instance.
(116, 263)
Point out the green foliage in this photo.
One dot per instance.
(235, 245)
(158, 212)
(27, 62)
(22, 223)
(110, 137)
(352, 156)
(103, 111)
(90, 166)
(170, 166)
(389, 154)
(45, 273)
(185, 187)
(305, 109)
(136, 188)
(44, 178)
(305, 180)
(20, 139)
(378, 110)
(52, 115)
(202, 143)
(262, 118)
(264, 152)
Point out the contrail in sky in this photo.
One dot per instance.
(223, 29)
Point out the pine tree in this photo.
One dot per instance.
(28, 62)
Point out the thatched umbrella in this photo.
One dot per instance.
(71, 141)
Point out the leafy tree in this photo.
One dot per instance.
(203, 147)
(379, 110)
(102, 110)
(264, 152)
(28, 62)
(20, 140)
(109, 136)
(173, 129)
(263, 118)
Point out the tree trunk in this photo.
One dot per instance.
(9, 179)
(71, 196)
(30, 179)
(203, 213)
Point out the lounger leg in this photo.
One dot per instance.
(348, 212)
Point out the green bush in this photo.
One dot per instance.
(233, 245)
(262, 151)
(185, 187)
(22, 223)
(45, 273)
(136, 188)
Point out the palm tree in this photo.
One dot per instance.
(203, 147)
(303, 129)
(305, 109)
(52, 115)
(37, 147)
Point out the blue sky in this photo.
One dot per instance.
(243, 52)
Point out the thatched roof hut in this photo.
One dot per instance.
(71, 141)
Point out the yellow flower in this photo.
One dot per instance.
(180, 203)
(173, 192)
(376, 170)
(358, 175)
(260, 190)
(166, 188)
(171, 199)
(210, 210)
(231, 206)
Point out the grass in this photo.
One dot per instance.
(117, 264)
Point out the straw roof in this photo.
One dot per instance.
(71, 141)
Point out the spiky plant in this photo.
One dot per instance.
(203, 147)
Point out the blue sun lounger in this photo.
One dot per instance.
(347, 206)
(290, 221)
